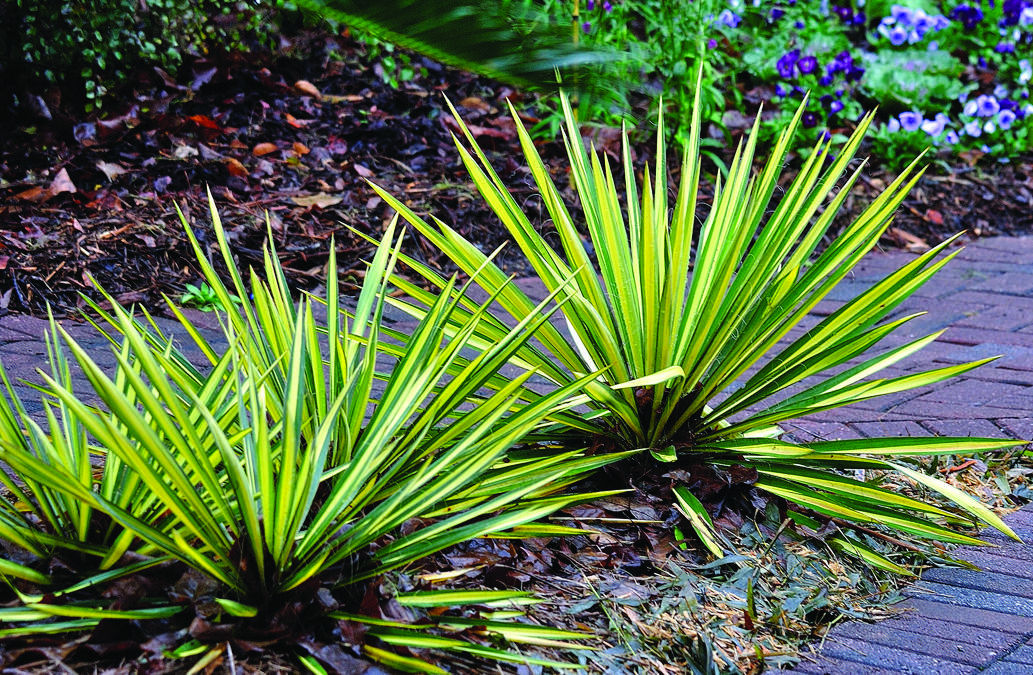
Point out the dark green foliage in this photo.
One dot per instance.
(89, 47)
(511, 40)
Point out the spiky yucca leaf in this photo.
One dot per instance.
(674, 325)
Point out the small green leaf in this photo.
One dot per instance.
(668, 454)
(236, 609)
(697, 515)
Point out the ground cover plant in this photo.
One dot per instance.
(88, 49)
(279, 484)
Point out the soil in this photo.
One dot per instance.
(294, 136)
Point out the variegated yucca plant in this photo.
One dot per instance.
(278, 469)
(689, 334)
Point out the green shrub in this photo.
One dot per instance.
(278, 471)
(90, 47)
(685, 333)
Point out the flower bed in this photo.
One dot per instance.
(951, 75)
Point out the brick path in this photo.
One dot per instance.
(963, 621)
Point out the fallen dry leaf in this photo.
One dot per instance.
(909, 241)
(61, 183)
(300, 148)
(205, 121)
(320, 200)
(362, 171)
(474, 102)
(347, 98)
(264, 149)
(236, 168)
(110, 169)
(33, 194)
(307, 88)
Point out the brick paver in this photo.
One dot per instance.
(959, 621)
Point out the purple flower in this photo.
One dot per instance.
(1005, 119)
(810, 120)
(835, 107)
(776, 14)
(854, 74)
(901, 14)
(989, 127)
(1025, 71)
(844, 13)
(586, 26)
(787, 63)
(896, 35)
(729, 18)
(968, 16)
(825, 80)
(970, 108)
(807, 65)
(590, 5)
(893, 126)
(780, 90)
(951, 138)
(973, 129)
(798, 25)
(860, 19)
(1004, 48)
(923, 23)
(1012, 10)
(711, 43)
(910, 121)
(935, 126)
(987, 105)
(607, 6)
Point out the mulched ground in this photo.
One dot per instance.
(295, 135)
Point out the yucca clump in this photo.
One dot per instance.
(685, 334)
(279, 481)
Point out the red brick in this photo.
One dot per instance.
(1017, 283)
(975, 336)
(999, 317)
(977, 427)
(895, 429)
(933, 608)
(973, 392)
(926, 410)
